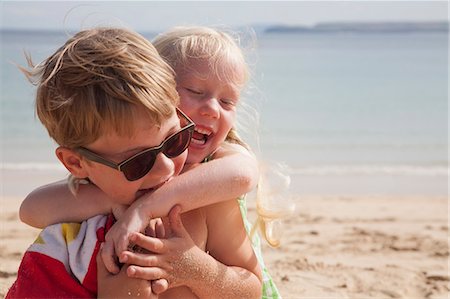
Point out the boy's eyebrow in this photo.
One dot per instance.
(135, 150)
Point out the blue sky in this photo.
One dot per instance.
(160, 15)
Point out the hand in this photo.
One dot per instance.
(122, 286)
(118, 210)
(117, 238)
(170, 258)
(156, 229)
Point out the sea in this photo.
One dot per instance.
(343, 113)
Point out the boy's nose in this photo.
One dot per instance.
(164, 167)
(211, 108)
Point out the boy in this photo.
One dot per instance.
(109, 101)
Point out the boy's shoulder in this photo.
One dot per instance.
(72, 234)
(67, 233)
(72, 246)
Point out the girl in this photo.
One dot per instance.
(210, 74)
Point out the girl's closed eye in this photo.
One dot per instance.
(228, 103)
(194, 91)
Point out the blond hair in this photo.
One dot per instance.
(181, 46)
(273, 201)
(97, 81)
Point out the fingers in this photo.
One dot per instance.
(159, 286)
(146, 273)
(151, 244)
(160, 231)
(155, 228)
(175, 221)
(122, 244)
(150, 230)
(109, 258)
(139, 259)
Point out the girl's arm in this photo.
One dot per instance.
(233, 172)
(54, 203)
(229, 268)
(237, 268)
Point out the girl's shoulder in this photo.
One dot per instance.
(228, 149)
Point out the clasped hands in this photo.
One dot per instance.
(159, 258)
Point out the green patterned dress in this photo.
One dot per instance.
(270, 290)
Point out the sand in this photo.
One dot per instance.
(365, 247)
(334, 247)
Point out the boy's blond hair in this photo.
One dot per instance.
(97, 81)
(181, 46)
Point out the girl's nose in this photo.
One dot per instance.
(211, 108)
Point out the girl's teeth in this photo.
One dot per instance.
(199, 142)
(201, 131)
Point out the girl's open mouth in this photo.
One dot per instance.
(200, 136)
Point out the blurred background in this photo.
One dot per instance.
(352, 96)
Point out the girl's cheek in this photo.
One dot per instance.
(186, 104)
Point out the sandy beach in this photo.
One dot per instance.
(334, 247)
(364, 247)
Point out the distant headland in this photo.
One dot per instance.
(320, 28)
(361, 27)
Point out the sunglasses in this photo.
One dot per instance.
(141, 163)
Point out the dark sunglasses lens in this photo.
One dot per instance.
(139, 166)
(178, 143)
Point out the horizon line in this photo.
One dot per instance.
(255, 25)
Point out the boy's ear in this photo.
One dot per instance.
(72, 161)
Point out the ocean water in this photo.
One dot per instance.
(346, 113)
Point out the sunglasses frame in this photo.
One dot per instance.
(92, 156)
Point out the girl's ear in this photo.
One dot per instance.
(72, 161)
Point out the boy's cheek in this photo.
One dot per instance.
(179, 162)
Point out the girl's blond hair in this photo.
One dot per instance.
(182, 46)
(273, 202)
